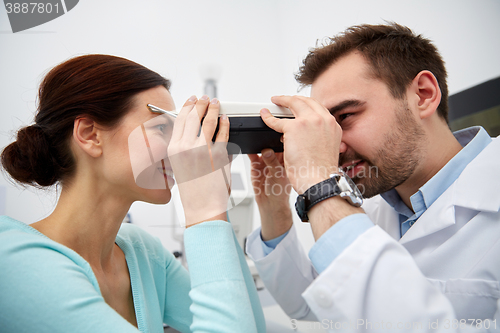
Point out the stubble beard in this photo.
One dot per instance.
(397, 158)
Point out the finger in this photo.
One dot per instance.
(202, 105)
(272, 162)
(192, 126)
(223, 134)
(316, 106)
(257, 166)
(295, 104)
(180, 121)
(256, 162)
(211, 119)
(281, 158)
(253, 157)
(273, 122)
(270, 158)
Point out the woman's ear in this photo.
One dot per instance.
(427, 93)
(87, 136)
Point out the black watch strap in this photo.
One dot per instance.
(316, 193)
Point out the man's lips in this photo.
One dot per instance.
(349, 165)
(353, 167)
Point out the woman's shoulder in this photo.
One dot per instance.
(8, 224)
(17, 234)
(18, 237)
(23, 249)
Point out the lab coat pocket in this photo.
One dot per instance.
(471, 298)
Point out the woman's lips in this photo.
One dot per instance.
(168, 175)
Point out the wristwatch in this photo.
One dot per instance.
(339, 184)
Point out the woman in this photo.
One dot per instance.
(80, 269)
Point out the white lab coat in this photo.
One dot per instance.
(444, 269)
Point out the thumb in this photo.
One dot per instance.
(273, 169)
(271, 121)
(270, 158)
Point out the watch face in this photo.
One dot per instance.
(350, 191)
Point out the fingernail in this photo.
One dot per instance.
(214, 101)
(192, 98)
(204, 97)
(223, 117)
(268, 153)
(264, 111)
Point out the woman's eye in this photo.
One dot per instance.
(161, 127)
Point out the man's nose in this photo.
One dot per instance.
(343, 147)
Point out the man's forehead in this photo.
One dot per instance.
(345, 79)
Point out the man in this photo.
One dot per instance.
(423, 252)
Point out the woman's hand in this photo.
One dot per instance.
(201, 167)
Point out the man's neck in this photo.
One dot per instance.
(438, 152)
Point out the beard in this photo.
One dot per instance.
(395, 161)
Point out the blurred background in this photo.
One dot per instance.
(250, 48)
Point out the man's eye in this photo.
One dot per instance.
(344, 116)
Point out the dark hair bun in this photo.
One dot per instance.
(29, 160)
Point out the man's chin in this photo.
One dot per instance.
(367, 190)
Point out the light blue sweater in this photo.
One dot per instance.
(47, 287)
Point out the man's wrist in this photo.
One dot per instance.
(326, 213)
(305, 184)
(276, 223)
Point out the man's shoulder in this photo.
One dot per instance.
(477, 186)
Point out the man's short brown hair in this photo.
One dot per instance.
(395, 53)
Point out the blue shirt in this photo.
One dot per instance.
(345, 231)
(47, 287)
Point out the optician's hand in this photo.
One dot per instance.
(311, 140)
(201, 167)
(311, 152)
(272, 192)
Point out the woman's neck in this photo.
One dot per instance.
(86, 219)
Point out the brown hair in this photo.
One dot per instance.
(395, 53)
(101, 87)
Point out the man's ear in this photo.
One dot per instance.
(425, 89)
(87, 136)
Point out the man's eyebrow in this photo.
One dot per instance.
(345, 104)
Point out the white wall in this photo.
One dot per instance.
(258, 43)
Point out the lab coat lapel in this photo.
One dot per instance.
(476, 188)
(383, 215)
(439, 215)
